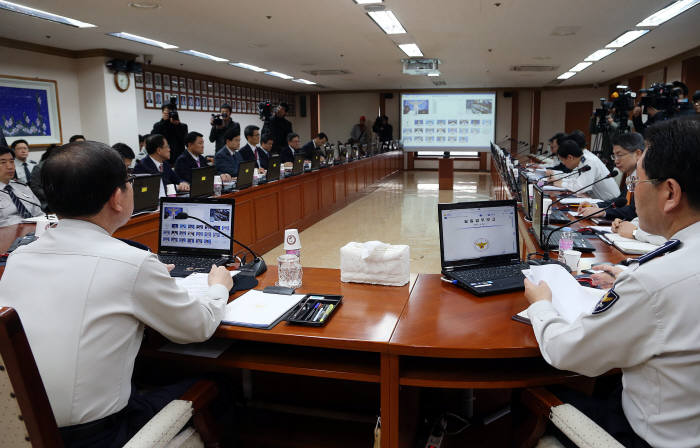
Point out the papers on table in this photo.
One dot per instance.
(628, 245)
(554, 188)
(259, 310)
(51, 217)
(580, 200)
(569, 298)
(197, 284)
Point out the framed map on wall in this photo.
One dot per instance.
(29, 110)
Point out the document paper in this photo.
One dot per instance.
(259, 310)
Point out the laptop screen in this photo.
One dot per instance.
(536, 212)
(191, 237)
(525, 194)
(478, 230)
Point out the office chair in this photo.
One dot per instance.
(26, 418)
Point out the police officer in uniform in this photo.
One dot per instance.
(647, 323)
(16, 199)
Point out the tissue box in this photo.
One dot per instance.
(375, 263)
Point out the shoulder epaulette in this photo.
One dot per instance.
(668, 246)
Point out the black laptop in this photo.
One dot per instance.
(479, 247)
(189, 244)
(316, 161)
(273, 169)
(298, 164)
(202, 181)
(146, 193)
(525, 194)
(245, 175)
(542, 232)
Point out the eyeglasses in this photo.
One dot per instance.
(616, 157)
(632, 181)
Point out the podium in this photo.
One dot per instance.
(446, 173)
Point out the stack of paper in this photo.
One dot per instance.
(197, 284)
(553, 188)
(628, 245)
(580, 200)
(259, 310)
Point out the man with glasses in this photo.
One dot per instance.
(646, 324)
(84, 298)
(17, 201)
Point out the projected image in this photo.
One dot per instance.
(463, 122)
(408, 131)
(430, 139)
(464, 139)
(429, 122)
(418, 122)
(219, 214)
(475, 122)
(479, 107)
(170, 212)
(416, 107)
(441, 122)
(429, 130)
(418, 131)
(452, 122)
(418, 139)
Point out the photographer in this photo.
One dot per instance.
(220, 125)
(383, 129)
(170, 127)
(278, 128)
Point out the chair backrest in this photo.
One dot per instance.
(26, 418)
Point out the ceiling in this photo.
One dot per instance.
(476, 41)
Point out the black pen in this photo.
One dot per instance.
(302, 309)
(311, 311)
(321, 311)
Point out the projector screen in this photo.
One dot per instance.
(448, 121)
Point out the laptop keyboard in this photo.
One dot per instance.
(490, 273)
(196, 264)
(579, 243)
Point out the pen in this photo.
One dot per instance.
(328, 312)
(302, 309)
(447, 280)
(319, 313)
(311, 311)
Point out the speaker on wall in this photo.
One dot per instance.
(302, 105)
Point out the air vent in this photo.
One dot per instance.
(326, 72)
(439, 82)
(533, 68)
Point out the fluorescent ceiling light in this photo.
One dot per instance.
(622, 87)
(566, 75)
(411, 50)
(255, 68)
(626, 38)
(143, 40)
(367, 2)
(668, 12)
(387, 21)
(304, 81)
(600, 54)
(38, 13)
(199, 54)
(580, 66)
(434, 74)
(279, 75)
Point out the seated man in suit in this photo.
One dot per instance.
(314, 145)
(157, 162)
(247, 152)
(126, 152)
(288, 152)
(225, 158)
(16, 200)
(262, 152)
(97, 294)
(23, 165)
(192, 157)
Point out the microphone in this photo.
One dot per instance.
(613, 173)
(618, 202)
(583, 169)
(255, 268)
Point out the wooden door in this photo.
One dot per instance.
(690, 74)
(578, 116)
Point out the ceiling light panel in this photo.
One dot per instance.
(199, 54)
(367, 2)
(255, 68)
(668, 12)
(143, 40)
(411, 50)
(387, 21)
(38, 13)
(304, 81)
(600, 54)
(626, 38)
(580, 66)
(566, 75)
(279, 75)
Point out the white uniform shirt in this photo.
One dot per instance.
(84, 298)
(606, 190)
(19, 169)
(651, 332)
(8, 211)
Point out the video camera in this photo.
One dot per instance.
(620, 104)
(172, 106)
(217, 119)
(265, 110)
(662, 97)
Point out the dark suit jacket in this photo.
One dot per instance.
(263, 158)
(147, 166)
(184, 165)
(626, 213)
(286, 154)
(245, 154)
(225, 162)
(308, 150)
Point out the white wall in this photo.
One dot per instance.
(62, 70)
(674, 71)
(553, 107)
(340, 111)
(302, 125)
(524, 115)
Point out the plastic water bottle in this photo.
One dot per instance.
(218, 185)
(566, 242)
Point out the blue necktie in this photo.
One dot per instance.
(23, 212)
(27, 174)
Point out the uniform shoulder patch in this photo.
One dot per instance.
(606, 302)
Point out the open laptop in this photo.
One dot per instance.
(316, 161)
(525, 194)
(273, 169)
(542, 232)
(202, 181)
(245, 175)
(189, 244)
(479, 247)
(298, 165)
(146, 193)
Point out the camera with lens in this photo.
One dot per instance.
(172, 107)
(265, 110)
(662, 97)
(217, 119)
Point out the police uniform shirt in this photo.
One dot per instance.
(606, 190)
(84, 298)
(647, 325)
(8, 211)
(20, 172)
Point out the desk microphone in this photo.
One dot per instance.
(613, 173)
(618, 202)
(583, 169)
(255, 268)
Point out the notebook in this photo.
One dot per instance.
(258, 309)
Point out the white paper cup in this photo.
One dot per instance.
(291, 239)
(571, 258)
(530, 190)
(170, 190)
(546, 202)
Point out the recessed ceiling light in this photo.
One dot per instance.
(387, 21)
(411, 50)
(199, 54)
(255, 68)
(580, 66)
(622, 86)
(142, 40)
(566, 75)
(626, 38)
(367, 2)
(600, 54)
(14, 7)
(304, 81)
(279, 75)
(668, 12)
(434, 74)
(145, 5)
